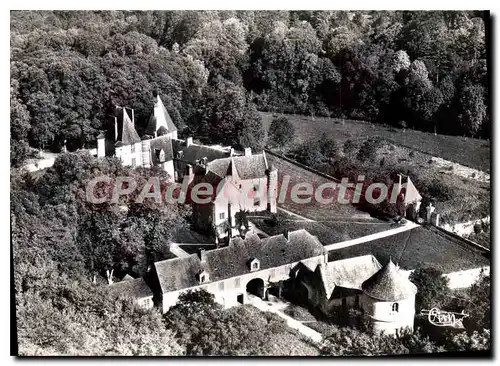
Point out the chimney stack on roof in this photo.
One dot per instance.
(202, 255)
(231, 152)
(248, 151)
(189, 141)
(116, 128)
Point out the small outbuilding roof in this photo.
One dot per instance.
(135, 288)
(389, 284)
(348, 273)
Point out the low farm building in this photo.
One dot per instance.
(135, 288)
(245, 265)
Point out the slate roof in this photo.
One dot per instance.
(250, 167)
(347, 273)
(160, 119)
(232, 261)
(194, 153)
(221, 167)
(389, 284)
(161, 143)
(247, 167)
(127, 135)
(135, 288)
(417, 248)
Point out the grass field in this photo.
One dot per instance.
(469, 191)
(470, 152)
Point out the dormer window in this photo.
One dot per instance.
(160, 155)
(395, 307)
(180, 154)
(254, 265)
(203, 277)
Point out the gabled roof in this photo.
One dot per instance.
(127, 135)
(135, 288)
(194, 153)
(160, 118)
(250, 167)
(348, 273)
(247, 167)
(221, 167)
(232, 261)
(389, 284)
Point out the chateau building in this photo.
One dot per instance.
(241, 183)
(154, 149)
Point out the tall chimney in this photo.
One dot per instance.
(190, 173)
(248, 151)
(202, 255)
(189, 141)
(101, 146)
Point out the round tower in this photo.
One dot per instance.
(389, 300)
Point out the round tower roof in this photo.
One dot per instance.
(389, 284)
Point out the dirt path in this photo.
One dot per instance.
(295, 215)
(408, 226)
(450, 167)
(292, 323)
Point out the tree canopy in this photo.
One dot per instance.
(68, 69)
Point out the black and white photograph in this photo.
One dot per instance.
(309, 183)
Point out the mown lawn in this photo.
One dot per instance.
(326, 232)
(473, 153)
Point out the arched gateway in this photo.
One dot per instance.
(256, 287)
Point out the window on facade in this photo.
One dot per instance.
(133, 161)
(221, 286)
(202, 278)
(132, 148)
(357, 301)
(256, 202)
(255, 265)
(221, 216)
(395, 307)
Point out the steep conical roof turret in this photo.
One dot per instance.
(160, 118)
(389, 284)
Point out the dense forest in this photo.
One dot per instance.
(216, 69)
